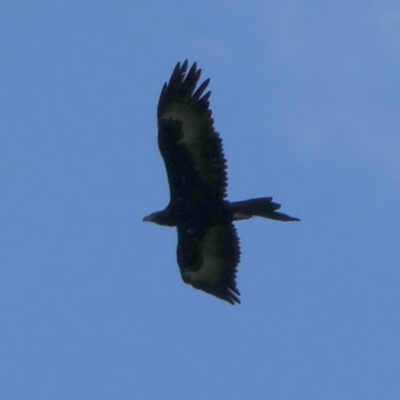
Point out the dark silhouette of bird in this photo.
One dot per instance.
(208, 250)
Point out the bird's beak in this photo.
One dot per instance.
(148, 218)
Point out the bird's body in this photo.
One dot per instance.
(208, 250)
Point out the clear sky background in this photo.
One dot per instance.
(306, 96)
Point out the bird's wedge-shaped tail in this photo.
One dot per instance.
(261, 207)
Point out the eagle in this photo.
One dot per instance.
(208, 250)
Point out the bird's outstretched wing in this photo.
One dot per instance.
(192, 150)
(208, 258)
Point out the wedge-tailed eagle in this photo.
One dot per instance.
(208, 249)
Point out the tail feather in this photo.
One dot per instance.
(261, 207)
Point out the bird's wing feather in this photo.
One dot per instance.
(191, 148)
(208, 259)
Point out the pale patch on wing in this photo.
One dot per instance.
(193, 127)
(212, 261)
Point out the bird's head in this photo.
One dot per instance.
(160, 218)
(151, 218)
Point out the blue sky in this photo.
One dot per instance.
(306, 98)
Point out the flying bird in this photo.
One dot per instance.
(208, 250)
